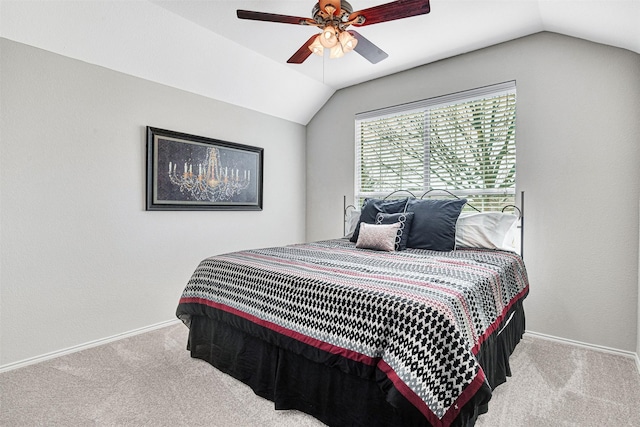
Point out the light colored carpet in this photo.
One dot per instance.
(557, 384)
(150, 380)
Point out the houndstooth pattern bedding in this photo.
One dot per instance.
(417, 315)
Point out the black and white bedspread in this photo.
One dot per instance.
(418, 316)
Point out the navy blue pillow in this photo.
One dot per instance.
(372, 207)
(434, 223)
(405, 220)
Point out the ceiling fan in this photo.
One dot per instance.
(333, 17)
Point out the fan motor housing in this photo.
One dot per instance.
(323, 19)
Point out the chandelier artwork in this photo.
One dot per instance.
(211, 182)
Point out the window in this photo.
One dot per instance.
(463, 143)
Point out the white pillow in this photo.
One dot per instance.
(490, 230)
(353, 216)
(381, 237)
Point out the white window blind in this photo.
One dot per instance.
(463, 143)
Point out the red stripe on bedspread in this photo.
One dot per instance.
(389, 289)
(415, 400)
(495, 325)
(329, 348)
(452, 412)
(274, 265)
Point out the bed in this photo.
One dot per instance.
(356, 335)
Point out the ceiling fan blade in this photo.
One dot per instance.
(368, 50)
(390, 11)
(303, 53)
(335, 3)
(270, 17)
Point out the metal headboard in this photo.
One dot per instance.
(520, 210)
(399, 191)
(345, 211)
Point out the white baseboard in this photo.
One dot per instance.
(85, 346)
(95, 343)
(596, 347)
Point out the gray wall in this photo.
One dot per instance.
(80, 258)
(578, 141)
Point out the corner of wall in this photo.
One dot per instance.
(638, 313)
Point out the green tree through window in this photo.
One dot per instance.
(465, 145)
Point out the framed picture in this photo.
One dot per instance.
(188, 172)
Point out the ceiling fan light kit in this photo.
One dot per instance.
(338, 46)
(333, 17)
(316, 47)
(328, 37)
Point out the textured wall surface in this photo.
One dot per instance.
(81, 259)
(578, 142)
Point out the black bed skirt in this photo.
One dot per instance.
(324, 390)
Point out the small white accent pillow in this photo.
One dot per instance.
(490, 230)
(381, 237)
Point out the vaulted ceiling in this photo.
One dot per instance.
(202, 47)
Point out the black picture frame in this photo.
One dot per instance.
(189, 172)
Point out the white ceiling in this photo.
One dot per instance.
(201, 46)
(452, 27)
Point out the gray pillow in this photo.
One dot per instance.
(372, 207)
(434, 223)
(405, 220)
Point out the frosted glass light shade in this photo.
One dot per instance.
(336, 52)
(316, 47)
(328, 38)
(347, 41)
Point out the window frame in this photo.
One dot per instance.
(485, 92)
